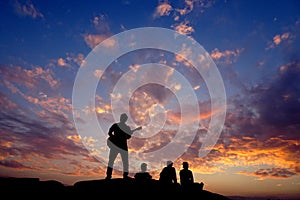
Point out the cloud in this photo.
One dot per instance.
(278, 101)
(227, 56)
(267, 109)
(163, 9)
(189, 6)
(92, 40)
(175, 117)
(13, 164)
(186, 52)
(143, 100)
(79, 59)
(184, 28)
(248, 152)
(279, 38)
(27, 9)
(103, 32)
(198, 6)
(271, 173)
(61, 62)
(153, 143)
(70, 60)
(6, 103)
(38, 87)
(101, 24)
(30, 78)
(35, 139)
(98, 73)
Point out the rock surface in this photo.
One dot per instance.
(114, 188)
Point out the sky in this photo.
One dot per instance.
(252, 45)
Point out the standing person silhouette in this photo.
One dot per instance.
(186, 175)
(168, 174)
(119, 133)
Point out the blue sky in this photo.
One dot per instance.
(254, 44)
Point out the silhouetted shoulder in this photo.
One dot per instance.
(142, 177)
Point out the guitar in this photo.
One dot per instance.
(136, 129)
(110, 139)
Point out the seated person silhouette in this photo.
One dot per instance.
(168, 174)
(187, 179)
(186, 175)
(143, 176)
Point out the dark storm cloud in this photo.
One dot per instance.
(279, 102)
(269, 109)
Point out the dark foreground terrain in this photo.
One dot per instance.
(101, 189)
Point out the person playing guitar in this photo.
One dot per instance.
(119, 133)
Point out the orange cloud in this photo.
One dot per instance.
(93, 40)
(249, 151)
(163, 9)
(184, 28)
(62, 62)
(74, 138)
(275, 157)
(176, 117)
(278, 39)
(227, 56)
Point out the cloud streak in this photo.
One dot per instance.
(27, 9)
(271, 173)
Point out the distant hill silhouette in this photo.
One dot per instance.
(126, 188)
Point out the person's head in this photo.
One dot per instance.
(144, 167)
(123, 117)
(169, 163)
(185, 165)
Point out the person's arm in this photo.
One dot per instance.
(162, 174)
(192, 177)
(130, 131)
(174, 176)
(111, 130)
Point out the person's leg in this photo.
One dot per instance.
(124, 156)
(111, 159)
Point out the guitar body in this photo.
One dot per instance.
(111, 140)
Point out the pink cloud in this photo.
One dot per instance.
(279, 38)
(163, 9)
(227, 56)
(93, 40)
(27, 9)
(184, 28)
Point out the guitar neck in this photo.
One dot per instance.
(136, 129)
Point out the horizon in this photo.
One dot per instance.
(233, 197)
(243, 142)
